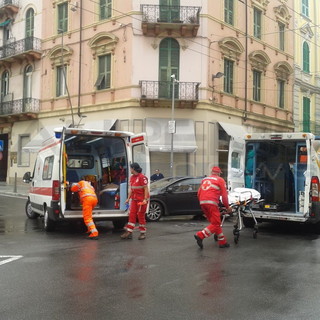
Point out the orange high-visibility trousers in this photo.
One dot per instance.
(88, 203)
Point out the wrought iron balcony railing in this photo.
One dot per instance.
(20, 106)
(170, 14)
(188, 91)
(19, 47)
(13, 3)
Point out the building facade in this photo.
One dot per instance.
(20, 87)
(217, 68)
(306, 66)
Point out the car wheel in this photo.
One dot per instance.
(155, 211)
(29, 212)
(119, 224)
(48, 224)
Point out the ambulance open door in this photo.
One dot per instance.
(140, 153)
(236, 164)
(63, 172)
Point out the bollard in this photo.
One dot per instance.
(15, 183)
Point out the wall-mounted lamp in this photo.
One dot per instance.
(215, 76)
(74, 6)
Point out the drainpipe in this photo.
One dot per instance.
(246, 66)
(80, 61)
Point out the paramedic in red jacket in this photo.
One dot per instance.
(209, 193)
(88, 199)
(138, 197)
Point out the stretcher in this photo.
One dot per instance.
(241, 200)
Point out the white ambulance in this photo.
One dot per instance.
(285, 169)
(102, 157)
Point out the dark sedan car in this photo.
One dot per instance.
(174, 196)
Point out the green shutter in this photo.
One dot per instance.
(306, 57)
(306, 114)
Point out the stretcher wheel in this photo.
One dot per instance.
(236, 234)
(255, 234)
(215, 237)
(236, 239)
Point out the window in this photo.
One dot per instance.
(228, 11)
(257, 23)
(169, 60)
(29, 23)
(305, 7)
(104, 77)
(256, 85)
(4, 84)
(281, 36)
(47, 168)
(228, 76)
(235, 160)
(23, 156)
(63, 17)
(105, 9)
(306, 57)
(61, 88)
(281, 87)
(27, 82)
(306, 115)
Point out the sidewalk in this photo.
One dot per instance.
(9, 189)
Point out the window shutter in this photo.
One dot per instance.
(306, 114)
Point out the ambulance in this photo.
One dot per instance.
(285, 169)
(99, 156)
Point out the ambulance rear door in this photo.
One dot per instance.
(63, 171)
(236, 163)
(140, 152)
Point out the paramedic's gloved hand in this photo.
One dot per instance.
(230, 211)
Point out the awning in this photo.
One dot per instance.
(234, 130)
(106, 124)
(159, 138)
(35, 144)
(5, 23)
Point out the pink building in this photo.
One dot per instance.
(110, 64)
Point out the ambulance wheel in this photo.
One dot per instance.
(48, 224)
(29, 212)
(119, 224)
(248, 222)
(155, 211)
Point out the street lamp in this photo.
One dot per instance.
(172, 123)
(215, 76)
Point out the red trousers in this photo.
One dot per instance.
(88, 203)
(212, 214)
(137, 212)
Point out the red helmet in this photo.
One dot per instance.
(216, 169)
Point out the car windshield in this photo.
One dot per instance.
(161, 183)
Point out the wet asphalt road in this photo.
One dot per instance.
(63, 276)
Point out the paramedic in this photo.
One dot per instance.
(88, 199)
(209, 193)
(138, 197)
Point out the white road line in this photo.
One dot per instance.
(9, 259)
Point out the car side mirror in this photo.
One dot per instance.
(27, 177)
(169, 189)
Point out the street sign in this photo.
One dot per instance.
(1, 145)
(172, 126)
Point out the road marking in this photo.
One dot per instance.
(9, 259)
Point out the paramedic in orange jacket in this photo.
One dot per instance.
(138, 197)
(88, 199)
(209, 193)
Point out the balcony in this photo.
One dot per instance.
(159, 93)
(168, 19)
(21, 109)
(9, 7)
(17, 50)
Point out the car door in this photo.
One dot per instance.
(181, 197)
